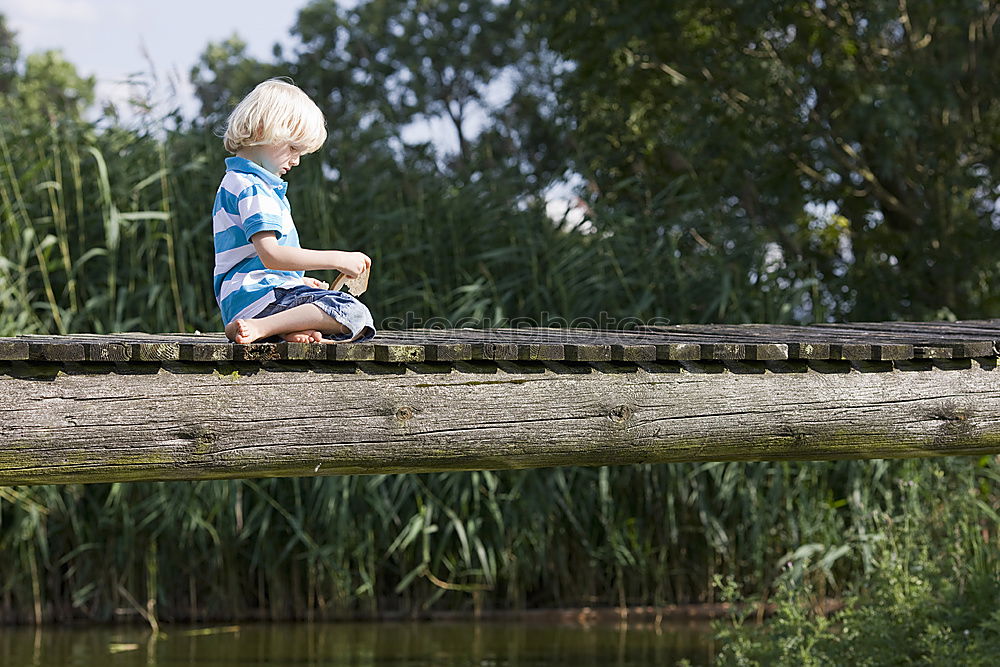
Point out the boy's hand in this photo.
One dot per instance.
(313, 282)
(355, 263)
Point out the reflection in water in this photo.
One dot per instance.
(385, 644)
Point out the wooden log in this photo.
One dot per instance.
(96, 424)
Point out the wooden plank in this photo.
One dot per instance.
(12, 349)
(587, 352)
(400, 354)
(973, 349)
(303, 351)
(723, 351)
(65, 350)
(678, 351)
(853, 341)
(108, 351)
(448, 352)
(851, 351)
(968, 329)
(351, 352)
(158, 351)
(495, 351)
(929, 352)
(255, 352)
(811, 341)
(808, 350)
(757, 344)
(892, 352)
(633, 353)
(206, 352)
(965, 341)
(540, 352)
(767, 352)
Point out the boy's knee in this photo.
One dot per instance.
(337, 328)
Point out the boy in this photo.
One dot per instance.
(259, 281)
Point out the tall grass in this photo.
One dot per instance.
(929, 596)
(329, 547)
(88, 241)
(110, 231)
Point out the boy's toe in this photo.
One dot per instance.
(243, 332)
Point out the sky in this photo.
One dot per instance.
(113, 39)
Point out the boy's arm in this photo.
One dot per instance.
(286, 258)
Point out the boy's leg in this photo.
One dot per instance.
(301, 319)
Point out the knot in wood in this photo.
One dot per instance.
(620, 414)
(404, 413)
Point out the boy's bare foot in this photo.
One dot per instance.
(243, 331)
(307, 336)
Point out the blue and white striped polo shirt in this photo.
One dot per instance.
(250, 199)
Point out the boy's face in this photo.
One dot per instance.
(277, 158)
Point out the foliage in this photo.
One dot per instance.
(929, 598)
(416, 59)
(327, 547)
(859, 139)
(742, 162)
(9, 55)
(223, 75)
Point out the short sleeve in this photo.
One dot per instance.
(259, 212)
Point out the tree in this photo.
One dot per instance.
(51, 88)
(882, 115)
(383, 64)
(9, 54)
(224, 74)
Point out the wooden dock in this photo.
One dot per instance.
(124, 407)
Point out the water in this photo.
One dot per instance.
(385, 644)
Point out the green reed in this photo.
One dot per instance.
(331, 547)
(929, 595)
(110, 231)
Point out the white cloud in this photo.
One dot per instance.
(77, 11)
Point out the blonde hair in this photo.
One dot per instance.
(275, 112)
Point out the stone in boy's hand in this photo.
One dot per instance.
(355, 263)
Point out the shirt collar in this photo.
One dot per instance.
(246, 166)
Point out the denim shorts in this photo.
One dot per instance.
(341, 306)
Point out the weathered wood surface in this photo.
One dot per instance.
(872, 341)
(91, 409)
